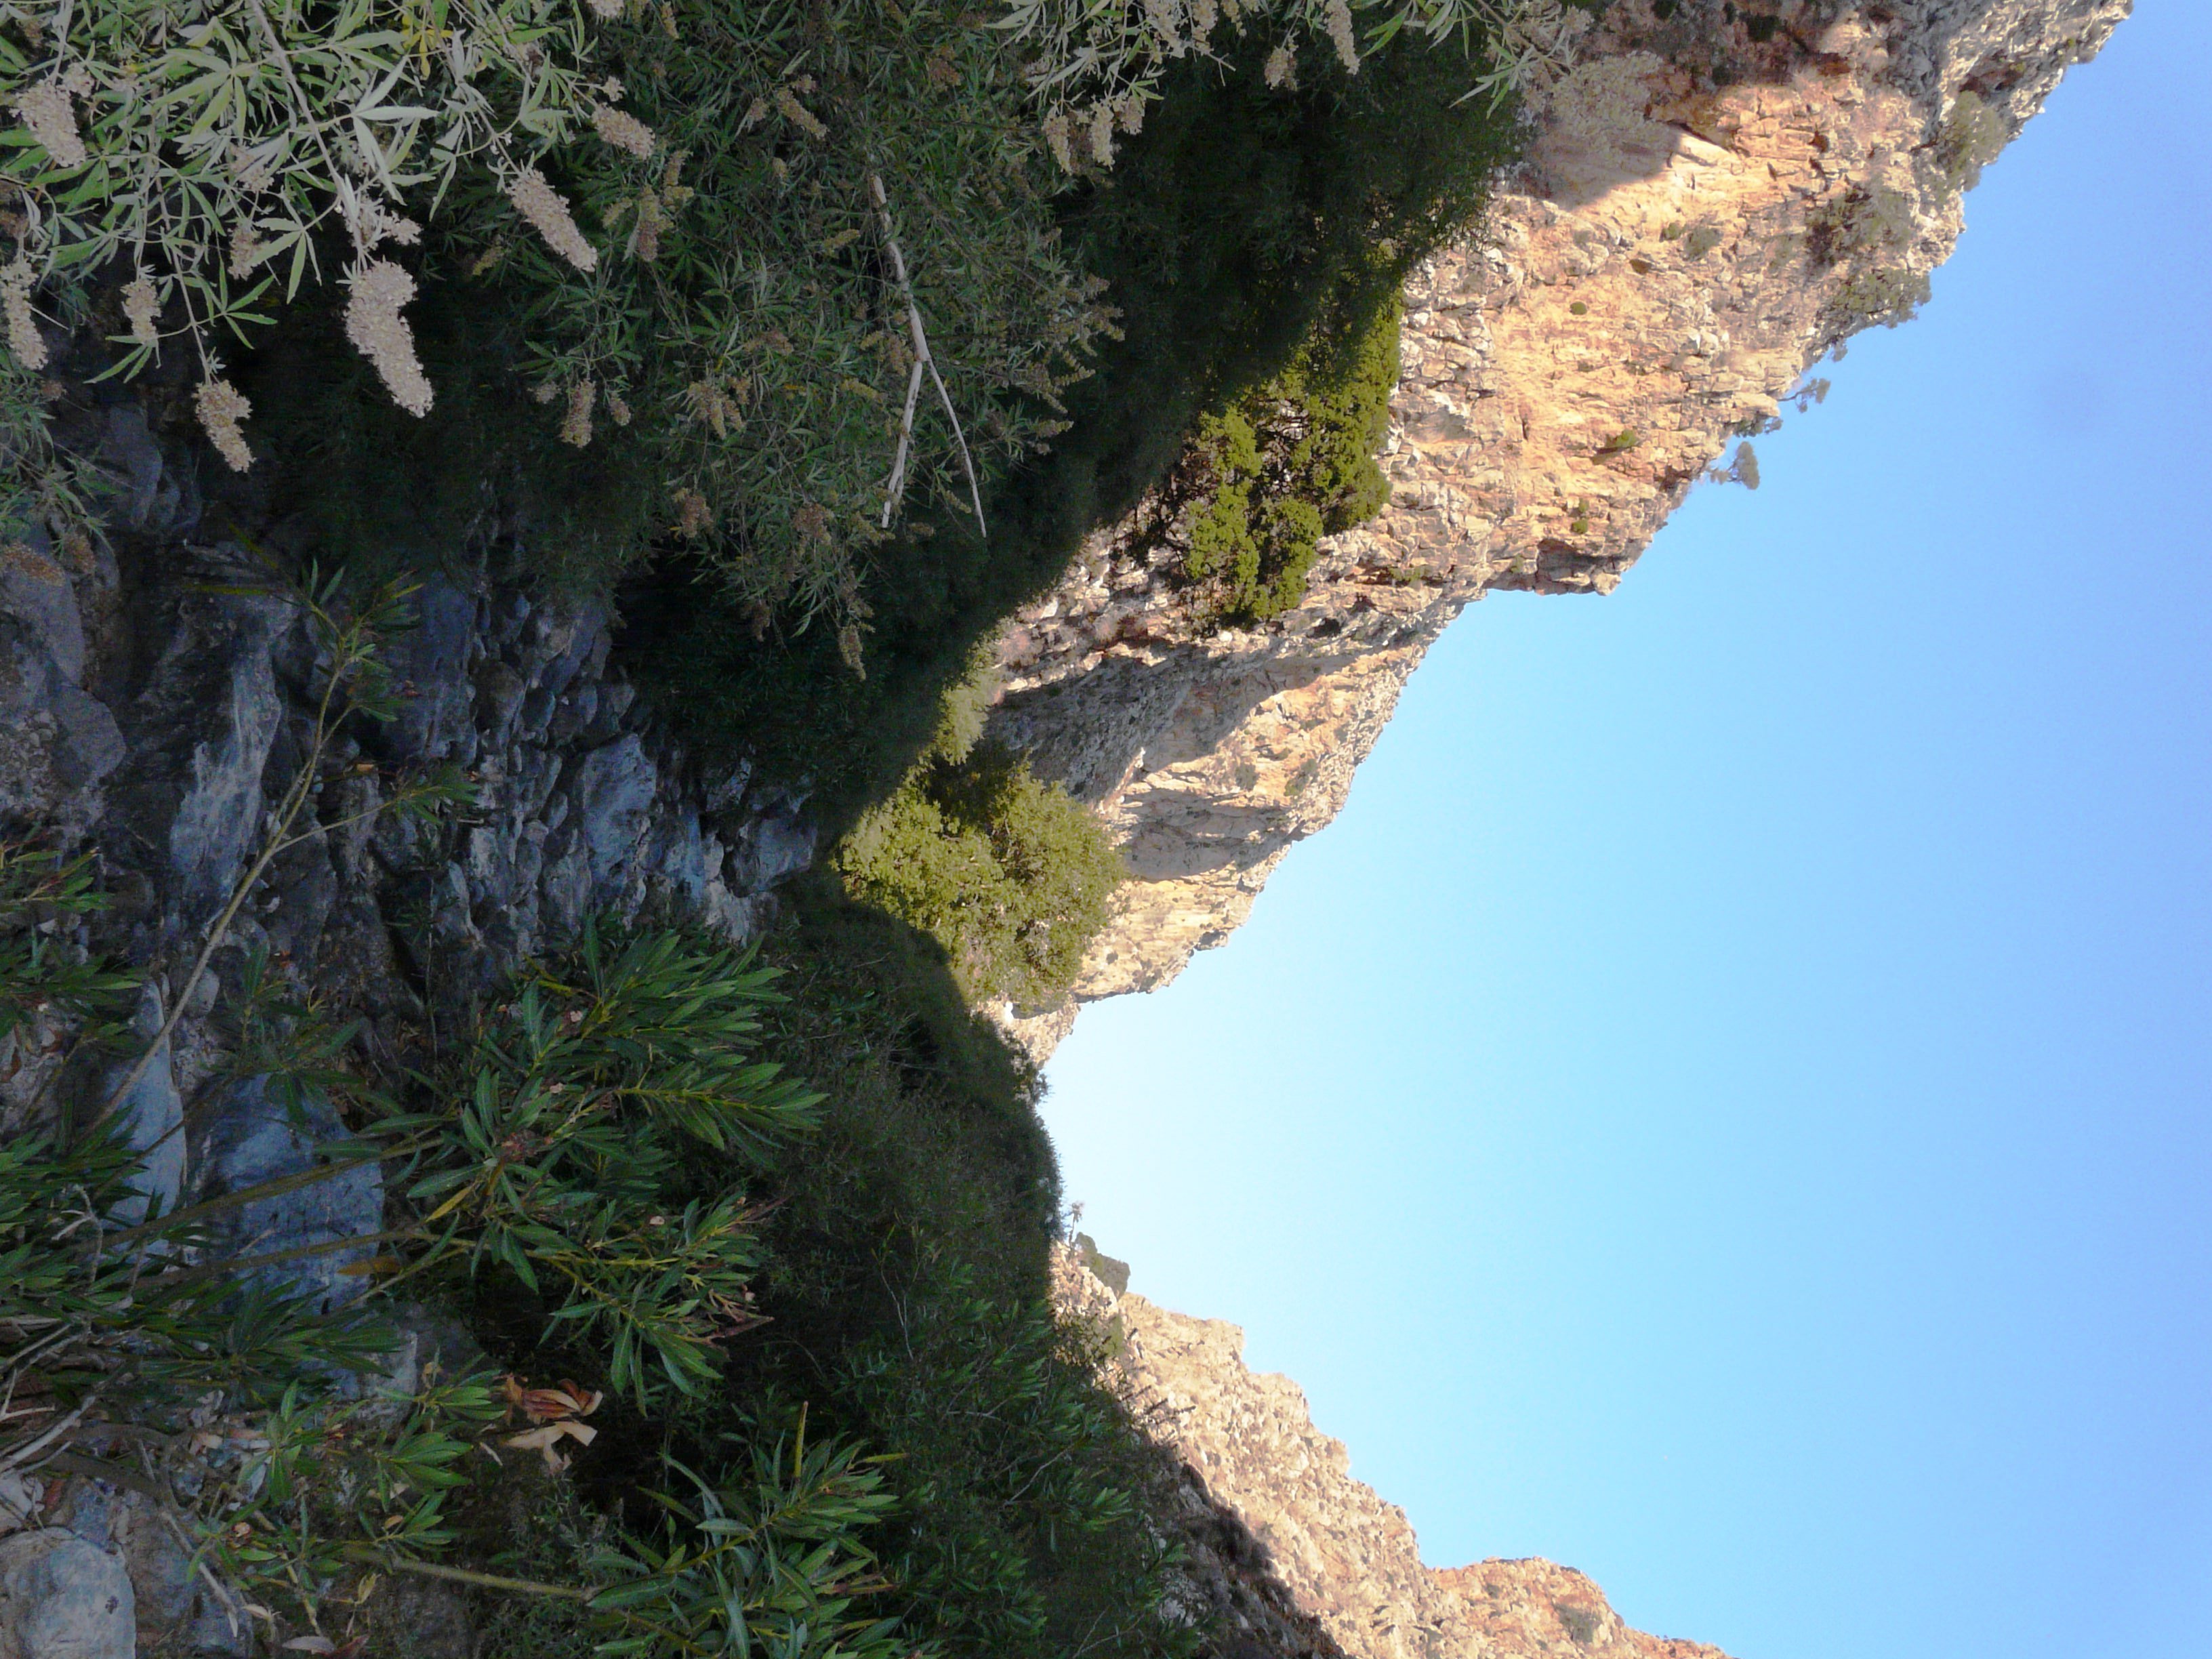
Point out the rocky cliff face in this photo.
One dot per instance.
(1713, 201)
(1323, 1566)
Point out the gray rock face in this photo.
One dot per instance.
(220, 816)
(255, 1134)
(202, 714)
(154, 1113)
(37, 592)
(434, 657)
(54, 740)
(612, 789)
(176, 1609)
(62, 1598)
(186, 803)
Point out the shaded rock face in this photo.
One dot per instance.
(1713, 201)
(1324, 1565)
(63, 1597)
(207, 692)
(157, 702)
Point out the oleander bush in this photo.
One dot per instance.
(909, 1263)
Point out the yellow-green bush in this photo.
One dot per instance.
(1008, 874)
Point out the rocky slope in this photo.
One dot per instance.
(157, 699)
(1714, 201)
(1324, 1565)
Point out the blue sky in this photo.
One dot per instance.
(1725, 1107)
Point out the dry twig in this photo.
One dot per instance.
(922, 360)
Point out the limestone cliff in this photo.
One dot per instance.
(1715, 198)
(1326, 1567)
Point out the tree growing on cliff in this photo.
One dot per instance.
(1008, 874)
(1291, 461)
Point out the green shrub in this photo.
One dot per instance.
(1974, 135)
(1870, 232)
(1865, 221)
(750, 322)
(907, 1288)
(225, 151)
(967, 1484)
(1886, 297)
(41, 487)
(1096, 68)
(1008, 874)
(731, 377)
(1292, 460)
(1019, 1534)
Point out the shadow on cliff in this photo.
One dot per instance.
(1256, 1614)
(1221, 230)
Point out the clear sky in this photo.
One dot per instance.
(1726, 1105)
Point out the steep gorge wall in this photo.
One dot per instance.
(1713, 201)
(1325, 1568)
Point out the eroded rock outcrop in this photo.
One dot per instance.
(1717, 198)
(1324, 1559)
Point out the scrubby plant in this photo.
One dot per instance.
(1888, 297)
(1742, 468)
(1868, 231)
(1292, 460)
(1974, 135)
(43, 488)
(321, 1493)
(1224, 230)
(722, 242)
(1008, 874)
(838, 202)
(1865, 221)
(1021, 1532)
(562, 1162)
(767, 1559)
(1095, 67)
(40, 971)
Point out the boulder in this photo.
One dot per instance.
(62, 1598)
(258, 1131)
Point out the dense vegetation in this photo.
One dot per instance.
(1221, 232)
(778, 1226)
(1292, 460)
(1009, 875)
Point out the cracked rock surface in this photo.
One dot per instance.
(1302, 1560)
